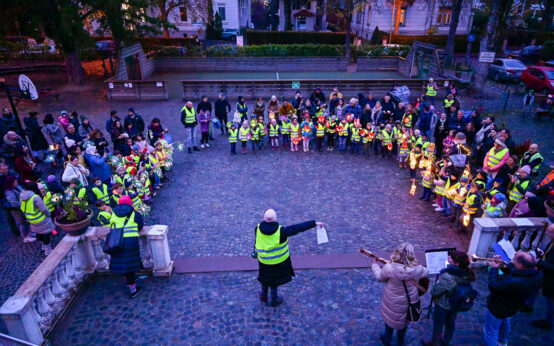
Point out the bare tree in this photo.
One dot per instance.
(198, 10)
(488, 43)
(456, 11)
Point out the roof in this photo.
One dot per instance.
(543, 68)
(304, 13)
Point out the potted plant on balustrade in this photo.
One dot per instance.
(72, 214)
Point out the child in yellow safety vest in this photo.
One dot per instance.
(460, 196)
(285, 131)
(104, 213)
(319, 133)
(470, 207)
(76, 193)
(294, 133)
(307, 128)
(343, 131)
(263, 132)
(254, 134)
(355, 137)
(100, 191)
(331, 132)
(244, 135)
(427, 183)
(368, 135)
(403, 152)
(274, 130)
(413, 160)
(233, 134)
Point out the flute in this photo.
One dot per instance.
(502, 263)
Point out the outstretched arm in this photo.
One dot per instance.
(297, 228)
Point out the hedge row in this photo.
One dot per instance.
(148, 43)
(288, 50)
(258, 37)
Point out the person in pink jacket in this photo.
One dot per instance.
(403, 268)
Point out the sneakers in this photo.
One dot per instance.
(47, 249)
(435, 205)
(439, 209)
(136, 293)
(542, 324)
(29, 239)
(277, 302)
(207, 145)
(202, 146)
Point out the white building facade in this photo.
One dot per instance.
(191, 22)
(420, 18)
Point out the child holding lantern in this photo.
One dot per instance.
(307, 129)
(244, 135)
(331, 131)
(294, 133)
(274, 130)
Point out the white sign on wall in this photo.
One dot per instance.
(486, 57)
(240, 41)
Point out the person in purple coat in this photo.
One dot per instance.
(204, 118)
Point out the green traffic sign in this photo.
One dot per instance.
(296, 85)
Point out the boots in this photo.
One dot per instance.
(47, 249)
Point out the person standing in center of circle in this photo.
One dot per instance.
(189, 121)
(272, 250)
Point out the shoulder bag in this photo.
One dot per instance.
(114, 239)
(414, 309)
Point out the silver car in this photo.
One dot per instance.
(506, 69)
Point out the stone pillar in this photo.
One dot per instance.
(159, 248)
(484, 234)
(20, 319)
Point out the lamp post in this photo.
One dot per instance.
(22, 93)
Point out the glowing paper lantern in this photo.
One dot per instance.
(466, 219)
(413, 188)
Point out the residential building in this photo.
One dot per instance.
(419, 17)
(190, 22)
(306, 15)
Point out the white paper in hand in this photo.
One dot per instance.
(321, 235)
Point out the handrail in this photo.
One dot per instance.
(16, 340)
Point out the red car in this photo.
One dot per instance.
(538, 78)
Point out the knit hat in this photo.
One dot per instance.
(131, 109)
(526, 169)
(270, 215)
(40, 186)
(69, 142)
(500, 141)
(91, 150)
(63, 112)
(499, 197)
(353, 100)
(51, 179)
(125, 200)
(464, 179)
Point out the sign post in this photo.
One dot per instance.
(486, 57)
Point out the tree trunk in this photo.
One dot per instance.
(348, 30)
(456, 11)
(288, 14)
(547, 15)
(75, 73)
(487, 43)
(398, 5)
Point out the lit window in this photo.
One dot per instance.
(183, 12)
(402, 16)
(444, 17)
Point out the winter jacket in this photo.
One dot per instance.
(317, 96)
(34, 131)
(128, 260)
(273, 107)
(394, 304)
(138, 123)
(509, 292)
(279, 274)
(449, 278)
(546, 264)
(55, 133)
(109, 124)
(203, 106)
(24, 168)
(45, 226)
(355, 110)
(288, 110)
(259, 110)
(222, 107)
(71, 172)
(98, 167)
(204, 120)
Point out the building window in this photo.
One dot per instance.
(444, 17)
(221, 11)
(301, 23)
(402, 20)
(359, 17)
(183, 13)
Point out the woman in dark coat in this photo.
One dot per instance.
(128, 262)
(275, 275)
(34, 131)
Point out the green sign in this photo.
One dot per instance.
(296, 85)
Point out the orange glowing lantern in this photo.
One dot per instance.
(413, 188)
(339, 129)
(327, 124)
(295, 140)
(321, 118)
(389, 146)
(466, 219)
(371, 135)
(271, 115)
(363, 133)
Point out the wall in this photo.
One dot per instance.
(247, 64)
(378, 63)
(146, 67)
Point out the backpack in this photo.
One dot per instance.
(462, 297)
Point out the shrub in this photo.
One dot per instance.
(258, 37)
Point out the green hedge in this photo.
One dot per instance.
(258, 37)
(288, 50)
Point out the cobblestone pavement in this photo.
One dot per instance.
(364, 202)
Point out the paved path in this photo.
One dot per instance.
(212, 206)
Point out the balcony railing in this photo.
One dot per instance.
(39, 304)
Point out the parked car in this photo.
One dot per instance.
(538, 78)
(506, 69)
(529, 53)
(230, 34)
(549, 63)
(168, 51)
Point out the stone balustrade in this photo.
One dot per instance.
(523, 233)
(35, 308)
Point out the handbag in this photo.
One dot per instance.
(114, 240)
(414, 309)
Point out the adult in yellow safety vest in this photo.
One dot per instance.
(431, 91)
(272, 251)
(189, 121)
(37, 214)
(127, 261)
(533, 159)
(518, 186)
